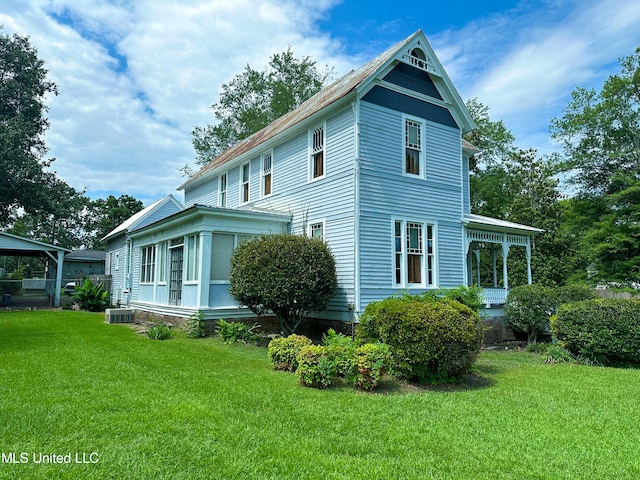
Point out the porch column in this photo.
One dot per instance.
(204, 275)
(529, 277)
(476, 253)
(495, 268)
(56, 296)
(505, 254)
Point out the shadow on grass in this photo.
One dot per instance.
(392, 386)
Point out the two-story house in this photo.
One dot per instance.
(375, 164)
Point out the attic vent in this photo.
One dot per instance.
(418, 59)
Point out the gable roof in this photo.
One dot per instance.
(355, 80)
(137, 219)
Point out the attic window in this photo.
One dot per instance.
(419, 59)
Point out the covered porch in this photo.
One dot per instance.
(488, 242)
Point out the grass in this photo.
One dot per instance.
(191, 409)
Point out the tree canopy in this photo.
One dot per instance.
(23, 87)
(600, 136)
(252, 100)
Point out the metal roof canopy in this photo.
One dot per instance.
(15, 246)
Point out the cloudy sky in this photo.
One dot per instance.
(135, 76)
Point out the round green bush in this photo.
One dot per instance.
(283, 352)
(604, 330)
(288, 275)
(315, 368)
(574, 293)
(429, 339)
(370, 361)
(528, 308)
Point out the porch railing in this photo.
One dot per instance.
(494, 296)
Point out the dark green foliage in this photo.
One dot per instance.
(253, 99)
(340, 350)
(91, 297)
(429, 339)
(288, 275)
(194, 328)
(315, 368)
(237, 332)
(159, 332)
(574, 293)
(603, 330)
(370, 362)
(283, 352)
(472, 296)
(528, 308)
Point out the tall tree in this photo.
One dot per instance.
(600, 132)
(600, 136)
(23, 87)
(107, 214)
(253, 99)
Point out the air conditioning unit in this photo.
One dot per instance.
(120, 315)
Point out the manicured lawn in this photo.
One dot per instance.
(193, 409)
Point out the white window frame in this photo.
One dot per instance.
(245, 185)
(147, 264)
(421, 143)
(400, 254)
(192, 260)
(223, 184)
(315, 148)
(321, 224)
(161, 262)
(266, 171)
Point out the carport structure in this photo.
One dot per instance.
(15, 246)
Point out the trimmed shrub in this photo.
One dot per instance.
(528, 308)
(370, 362)
(340, 350)
(289, 275)
(283, 352)
(604, 330)
(315, 368)
(574, 293)
(429, 339)
(159, 332)
(236, 332)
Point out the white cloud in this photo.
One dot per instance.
(129, 131)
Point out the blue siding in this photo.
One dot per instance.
(204, 194)
(404, 103)
(466, 190)
(386, 194)
(414, 79)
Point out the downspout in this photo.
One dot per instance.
(356, 207)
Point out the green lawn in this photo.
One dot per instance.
(187, 408)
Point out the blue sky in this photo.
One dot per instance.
(135, 76)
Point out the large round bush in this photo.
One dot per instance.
(606, 330)
(288, 275)
(528, 308)
(428, 339)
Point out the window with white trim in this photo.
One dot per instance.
(317, 153)
(267, 160)
(222, 190)
(316, 230)
(414, 256)
(193, 258)
(147, 264)
(245, 175)
(413, 147)
(162, 262)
